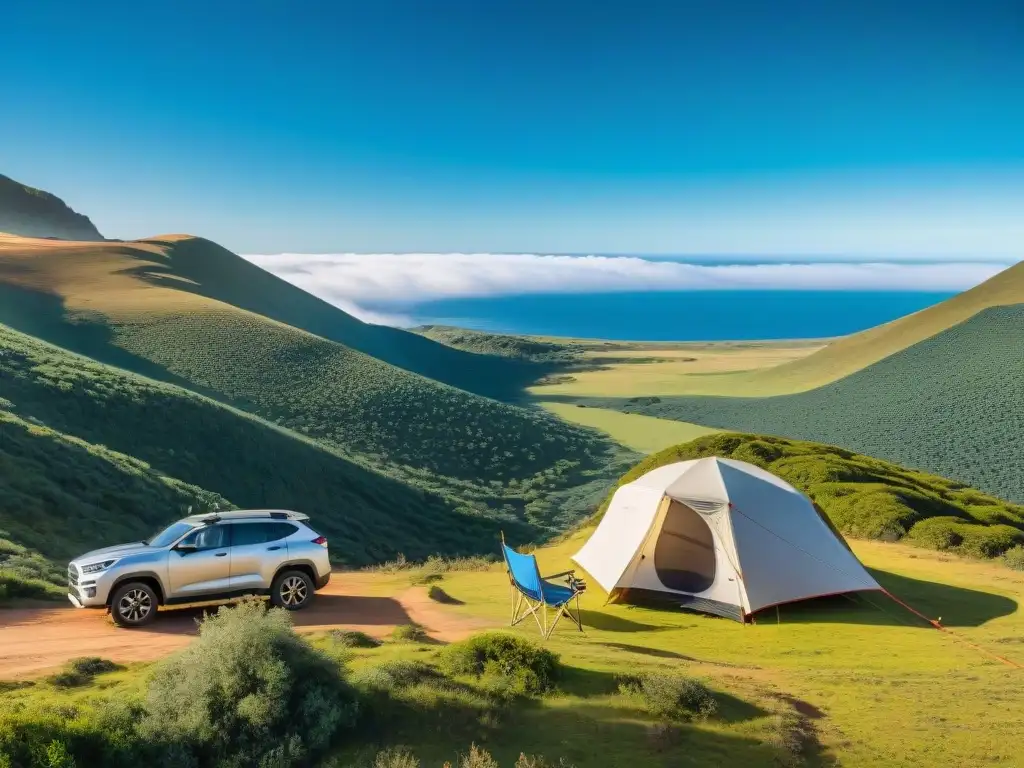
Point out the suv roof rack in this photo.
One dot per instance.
(248, 514)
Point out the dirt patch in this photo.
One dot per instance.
(38, 640)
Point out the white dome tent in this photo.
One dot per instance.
(721, 536)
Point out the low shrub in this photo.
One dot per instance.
(528, 667)
(477, 758)
(538, 761)
(409, 633)
(93, 665)
(249, 691)
(47, 736)
(396, 674)
(15, 586)
(952, 533)
(396, 757)
(671, 696)
(68, 679)
(1014, 557)
(354, 639)
(81, 672)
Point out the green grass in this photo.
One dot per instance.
(641, 433)
(868, 497)
(860, 680)
(854, 682)
(948, 405)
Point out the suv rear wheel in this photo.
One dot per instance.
(133, 604)
(291, 590)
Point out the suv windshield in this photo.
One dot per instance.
(168, 535)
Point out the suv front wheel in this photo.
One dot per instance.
(291, 590)
(133, 604)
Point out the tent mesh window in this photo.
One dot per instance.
(684, 556)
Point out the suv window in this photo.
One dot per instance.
(208, 537)
(259, 533)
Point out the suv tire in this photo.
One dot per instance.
(134, 604)
(291, 590)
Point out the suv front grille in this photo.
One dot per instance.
(72, 576)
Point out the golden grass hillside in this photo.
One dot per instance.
(853, 353)
(764, 369)
(163, 308)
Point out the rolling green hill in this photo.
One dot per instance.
(192, 264)
(950, 405)
(90, 455)
(853, 353)
(867, 497)
(163, 308)
(501, 345)
(32, 212)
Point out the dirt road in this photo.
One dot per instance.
(34, 641)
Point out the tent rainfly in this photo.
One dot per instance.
(720, 536)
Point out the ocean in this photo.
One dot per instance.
(676, 315)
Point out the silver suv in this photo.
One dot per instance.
(212, 557)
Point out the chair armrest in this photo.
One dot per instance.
(563, 573)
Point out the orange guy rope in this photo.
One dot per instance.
(937, 625)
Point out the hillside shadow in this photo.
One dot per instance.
(344, 611)
(660, 653)
(216, 273)
(957, 606)
(608, 623)
(630, 741)
(591, 682)
(44, 316)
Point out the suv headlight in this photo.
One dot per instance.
(97, 567)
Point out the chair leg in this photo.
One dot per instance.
(519, 615)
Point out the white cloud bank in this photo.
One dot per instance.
(372, 286)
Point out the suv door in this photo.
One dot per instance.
(257, 551)
(204, 570)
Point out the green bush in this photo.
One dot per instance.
(249, 691)
(93, 665)
(672, 696)
(477, 758)
(14, 586)
(528, 667)
(409, 633)
(42, 736)
(396, 757)
(68, 679)
(81, 672)
(951, 533)
(354, 639)
(1014, 557)
(396, 674)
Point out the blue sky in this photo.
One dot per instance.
(875, 129)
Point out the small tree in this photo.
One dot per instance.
(249, 691)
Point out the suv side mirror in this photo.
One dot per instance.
(185, 548)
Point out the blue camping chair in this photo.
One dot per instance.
(533, 595)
